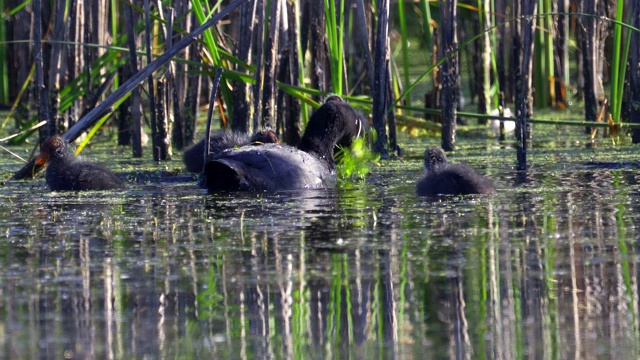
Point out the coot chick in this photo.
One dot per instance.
(193, 157)
(444, 178)
(274, 167)
(67, 173)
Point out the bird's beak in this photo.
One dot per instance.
(360, 130)
(42, 159)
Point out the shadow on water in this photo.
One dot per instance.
(547, 266)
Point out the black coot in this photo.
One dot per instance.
(443, 178)
(280, 167)
(193, 157)
(67, 173)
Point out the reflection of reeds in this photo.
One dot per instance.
(501, 276)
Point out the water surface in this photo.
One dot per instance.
(545, 268)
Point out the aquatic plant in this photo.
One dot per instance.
(354, 163)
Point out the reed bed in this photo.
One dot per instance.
(279, 58)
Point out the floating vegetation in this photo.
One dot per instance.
(354, 163)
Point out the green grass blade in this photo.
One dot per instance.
(16, 9)
(304, 110)
(426, 24)
(99, 124)
(335, 37)
(211, 45)
(621, 78)
(549, 55)
(405, 46)
(616, 64)
(114, 29)
(4, 73)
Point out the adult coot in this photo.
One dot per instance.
(194, 156)
(280, 167)
(450, 179)
(65, 172)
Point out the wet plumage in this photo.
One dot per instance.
(281, 167)
(194, 156)
(444, 178)
(67, 173)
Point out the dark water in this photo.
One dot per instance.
(547, 268)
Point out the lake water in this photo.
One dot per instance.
(546, 268)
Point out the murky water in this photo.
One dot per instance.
(548, 267)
